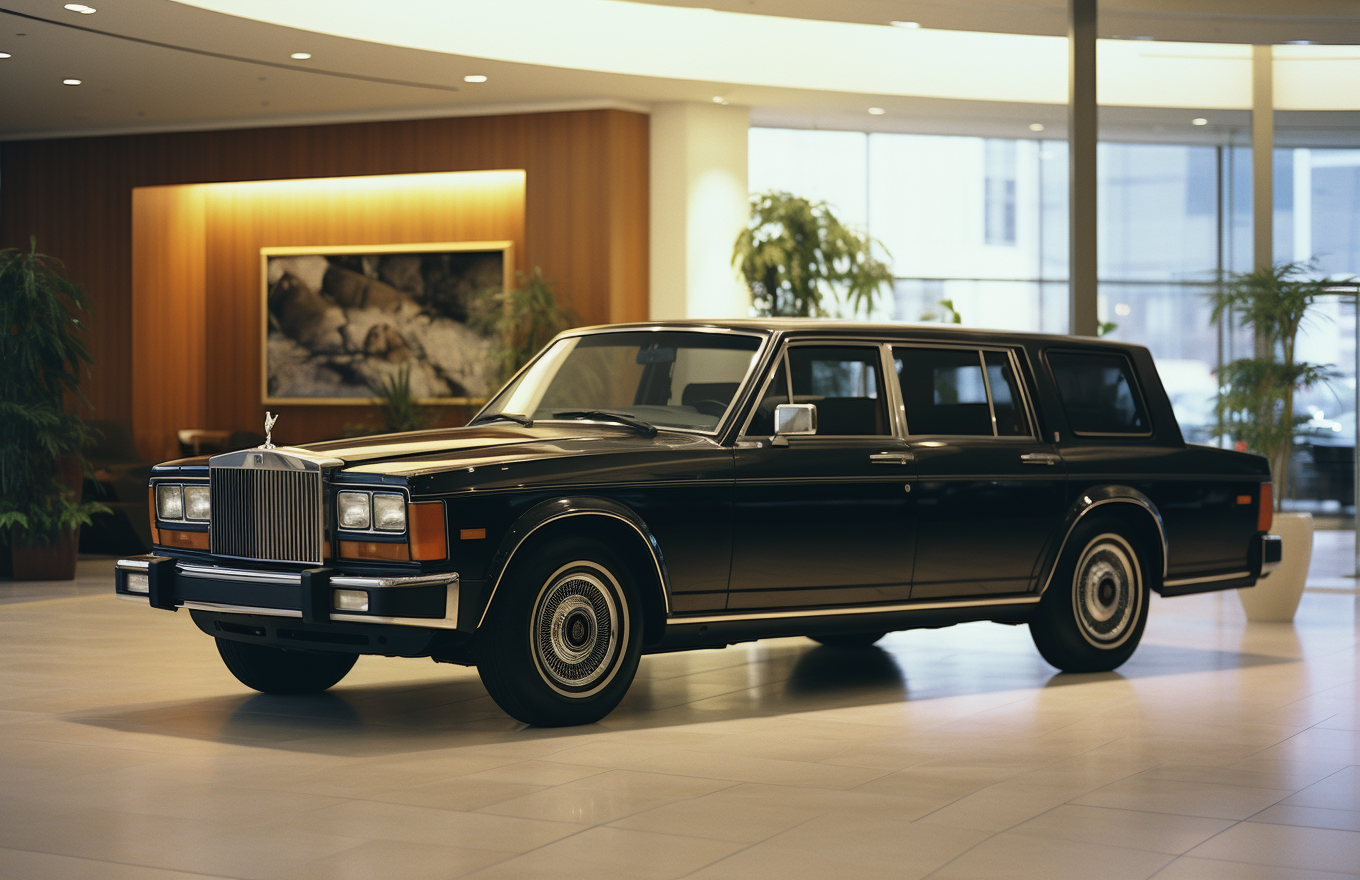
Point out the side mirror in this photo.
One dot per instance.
(793, 419)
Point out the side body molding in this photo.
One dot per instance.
(1098, 497)
(548, 512)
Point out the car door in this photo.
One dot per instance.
(990, 492)
(825, 519)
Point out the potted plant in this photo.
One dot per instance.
(1255, 408)
(520, 322)
(795, 255)
(41, 443)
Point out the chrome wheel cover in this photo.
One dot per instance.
(1107, 591)
(578, 626)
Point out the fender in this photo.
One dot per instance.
(547, 512)
(1093, 498)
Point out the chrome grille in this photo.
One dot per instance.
(264, 513)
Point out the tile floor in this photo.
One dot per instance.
(1222, 750)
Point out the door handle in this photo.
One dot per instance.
(1040, 458)
(892, 458)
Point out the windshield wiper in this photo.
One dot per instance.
(509, 417)
(603, 415)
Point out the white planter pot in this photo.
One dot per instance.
(1276, 598)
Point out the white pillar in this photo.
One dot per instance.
(699, 203)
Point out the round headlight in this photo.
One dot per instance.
(353, 510)
(196, 503)
(169, 502)
(389, 512)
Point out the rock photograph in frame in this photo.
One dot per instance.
(339, 322)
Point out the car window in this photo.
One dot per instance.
(1098, 393)
(944, 391)
(1007, 402)
(845, 383)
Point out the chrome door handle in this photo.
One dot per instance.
(1040, 458)
(892, 458)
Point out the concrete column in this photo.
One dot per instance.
(1262, 157)
(1082, 134)
(699, 203)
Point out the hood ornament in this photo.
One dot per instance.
(269, 420)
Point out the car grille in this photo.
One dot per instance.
(265, 514)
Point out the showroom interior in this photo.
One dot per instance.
(1043, 166)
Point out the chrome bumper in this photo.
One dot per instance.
(167, 583)
(1272, 552)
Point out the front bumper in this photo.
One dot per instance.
(316, 596)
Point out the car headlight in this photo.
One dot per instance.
(389, 512)
(354, 510)
(196, 503)
(169, 502)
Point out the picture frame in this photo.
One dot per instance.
(337, 322)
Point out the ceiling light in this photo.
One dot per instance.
(81, 8)
(1036, 126)
(876, 111)
(910, 25)
(70, 82)
(719, 99)
(1199, 120)
(300, 56)
(474, 78)
(1300, 42)
(4, 54)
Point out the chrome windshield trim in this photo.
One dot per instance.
(857, 609)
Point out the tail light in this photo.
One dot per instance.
(1265, 514)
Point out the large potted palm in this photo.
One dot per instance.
(41, 442)
(1255, 408)
(797, 257)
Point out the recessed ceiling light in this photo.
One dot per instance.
(81, 8)
(1300, 42)
(910, 25)
(719, 99)
(1036, 126)
(474, 78)
(1199, 120)
(70, 82)
(300, 56)
(876, 111)
(4, 54)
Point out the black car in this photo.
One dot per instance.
(657, 487)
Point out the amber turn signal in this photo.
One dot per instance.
(384, 551)
(183, 540)
(1265, 514)
(429, 537)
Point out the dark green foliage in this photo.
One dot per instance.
(795, 255)
(41, 356)
(520, 322)
(398, 409)
(1256, 395)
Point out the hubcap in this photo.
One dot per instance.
(1107, 591)
(576, 631)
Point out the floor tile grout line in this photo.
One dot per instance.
(139, 864)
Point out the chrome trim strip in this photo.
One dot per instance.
(858, 609)
(137, 563)
(238, 574)
(241, 609)
(425, 580)
(660, 576)
(1181, 582)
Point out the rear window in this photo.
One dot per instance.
(1099, 393)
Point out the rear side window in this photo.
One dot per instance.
(945, 391)
(1099, 394)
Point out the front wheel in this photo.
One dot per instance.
(273, 670)
(1093, 615)
(562, 641)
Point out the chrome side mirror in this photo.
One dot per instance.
(794, 419)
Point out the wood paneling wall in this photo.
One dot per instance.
(585, 202)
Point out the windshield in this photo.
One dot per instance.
(670, 379)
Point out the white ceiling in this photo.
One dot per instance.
(161, 65)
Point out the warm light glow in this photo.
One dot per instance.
(4, 55)
(719, 99)
(876, 111)
(1199, 120)
(1036, 126)
(81, 8)
(300, 56)
(474, 78)
(70, 82)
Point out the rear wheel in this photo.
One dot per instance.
(1093, 615)
(849, 640)
(273, 670)
(562, 641)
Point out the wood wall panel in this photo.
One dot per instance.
(585, 202)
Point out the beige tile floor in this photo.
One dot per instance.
(1222, 750)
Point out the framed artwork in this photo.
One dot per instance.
(341, 322)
